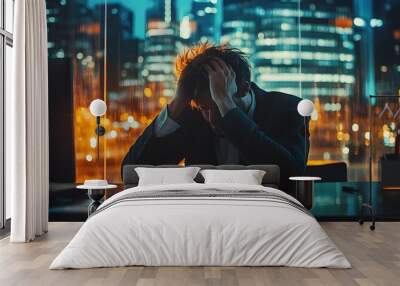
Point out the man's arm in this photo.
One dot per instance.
(163, 141)
(258, 147)
(155, 150)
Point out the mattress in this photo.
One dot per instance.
(201, 225)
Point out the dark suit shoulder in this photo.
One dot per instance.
(284, 97)
(277, 100)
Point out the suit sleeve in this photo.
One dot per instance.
(153, 150)
(288, 151)
(164, 124)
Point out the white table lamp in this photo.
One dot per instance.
(305, 107)
(98, 108)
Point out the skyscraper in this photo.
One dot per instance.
(307, 52)
(240, 24)
(161, 46)
(64, 18)
(119, 33)
(204, 16)
(275, 33)
(163, 10)
(386, 29)
(364, 45)
(132, 61)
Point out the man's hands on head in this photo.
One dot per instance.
(222, 85)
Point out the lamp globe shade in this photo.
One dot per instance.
(305, 107)
(98, 107)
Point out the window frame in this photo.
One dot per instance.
(6, 39)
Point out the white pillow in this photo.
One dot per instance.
(165, 176)
(248, 177)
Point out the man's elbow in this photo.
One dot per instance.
(124, 162)
(130, 158)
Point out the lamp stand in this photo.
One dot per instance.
(305, 141)
(100, 131)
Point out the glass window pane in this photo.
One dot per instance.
(328, 79)
(1, 15)
(7, 82)
(1, 137)
(76, 77)
(9, 15)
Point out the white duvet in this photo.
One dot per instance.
(200, 231)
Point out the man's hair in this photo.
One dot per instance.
(190, 66)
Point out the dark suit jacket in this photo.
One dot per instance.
(275, 135)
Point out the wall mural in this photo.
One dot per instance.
(125, 52)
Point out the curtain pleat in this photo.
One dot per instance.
(29, 156)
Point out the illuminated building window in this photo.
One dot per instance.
(167, 11)
(288, 77)
(359, 22)
(305, 55)
(160, 32)
(355, 127)
(285, 27)
(60, 54)
(210, 10)
(376, 23)
(200, 13)
(348, 44)
(294, 41)
(238, 24)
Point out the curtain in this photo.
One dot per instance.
(27, 124)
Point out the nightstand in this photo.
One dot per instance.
(96, 194)
(305, 189)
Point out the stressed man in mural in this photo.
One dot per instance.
(218, 116)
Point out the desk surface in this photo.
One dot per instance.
(87, 187)
(305, 178)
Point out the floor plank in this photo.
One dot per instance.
(375, 257)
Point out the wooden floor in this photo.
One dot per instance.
(375, 257)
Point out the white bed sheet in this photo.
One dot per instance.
(200, 232)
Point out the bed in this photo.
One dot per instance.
(197, 224)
